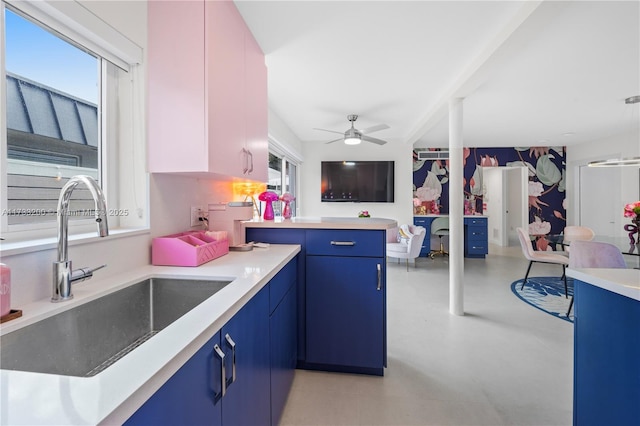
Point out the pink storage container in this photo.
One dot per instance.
(187, 249)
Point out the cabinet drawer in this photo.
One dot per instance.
(421, 221)
(337, 242)
(476, 233)
(476, 247)
(477, 222)
(281, 283)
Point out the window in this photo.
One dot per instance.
(52, 128)
(67, 110)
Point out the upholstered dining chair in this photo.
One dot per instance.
(542, 257)
(439, 228)
(409, 244)
(594, 254)
(577, 233)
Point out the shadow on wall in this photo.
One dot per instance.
(547, 177)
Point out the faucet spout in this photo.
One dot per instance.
(63, 274)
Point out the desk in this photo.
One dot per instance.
(476, 244)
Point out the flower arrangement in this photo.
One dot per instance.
(364, 213)
(632, 210)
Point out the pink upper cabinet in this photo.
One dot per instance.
(176, 97)
(256, 109)
(208, 112)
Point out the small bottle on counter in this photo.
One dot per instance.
(5, 290)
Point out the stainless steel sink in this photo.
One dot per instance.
(89, 338)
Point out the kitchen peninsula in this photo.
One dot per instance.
(341, 289)
(606, 379)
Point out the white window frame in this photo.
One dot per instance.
(73, 22)
(287, 156)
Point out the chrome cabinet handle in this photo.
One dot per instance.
(343, 243)
(245, 161)
(251, 161)
(379, 277)
(232, 345)
(223, 373)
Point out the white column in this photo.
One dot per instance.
(456, 209)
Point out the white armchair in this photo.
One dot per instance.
(405, 247)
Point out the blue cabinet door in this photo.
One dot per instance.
(606, 387)
(283, 333)
(190, 397)
(193, 395)
(425, 222)
(289, 236)
(247, 399)
(345, 313)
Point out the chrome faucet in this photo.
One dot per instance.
(63, 273)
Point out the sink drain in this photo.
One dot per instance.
(120, 354)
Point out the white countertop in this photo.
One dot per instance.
(113, 395)
(324, 223)
(625, 282)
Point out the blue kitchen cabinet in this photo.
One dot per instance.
(476, 243)
(425, 222)
(346, 301)
(606, 388)
(193, 395)
(327, 257)
(189, 396)
(345, 314)
(289, 236)
(247, 399)
(283, 336)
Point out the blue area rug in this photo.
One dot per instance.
(546, 294)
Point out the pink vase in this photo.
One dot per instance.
(286, 210)
(268, 210)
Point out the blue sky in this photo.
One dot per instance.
(38, 55)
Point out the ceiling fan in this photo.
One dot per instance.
(354, 136)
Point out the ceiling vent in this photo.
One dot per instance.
(433, 155)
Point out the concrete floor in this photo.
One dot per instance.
(502, 363)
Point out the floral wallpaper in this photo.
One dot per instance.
(547, 177)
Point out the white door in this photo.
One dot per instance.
(600, 207)
(494, 198)
(517, 204)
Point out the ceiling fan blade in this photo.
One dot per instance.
(331, 131)
(374, 140)
(335, 140)
(374, 128)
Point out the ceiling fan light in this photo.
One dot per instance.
(352, 140)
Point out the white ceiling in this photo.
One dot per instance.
(529, 72)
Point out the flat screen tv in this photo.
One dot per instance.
(357, 181)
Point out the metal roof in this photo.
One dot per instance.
(35, 108)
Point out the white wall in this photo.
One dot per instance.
(283, 135)
(624, 145)
(401, 210)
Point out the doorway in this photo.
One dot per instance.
(506, 200)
